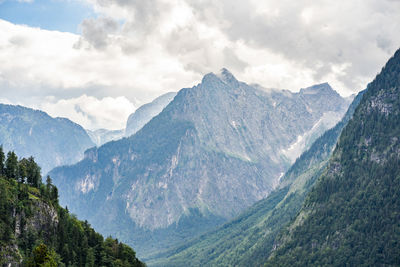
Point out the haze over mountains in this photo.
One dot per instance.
(223, 150)
(52, 141)
(216, 168)
(135, 121)
(213, 151)
(146, 112)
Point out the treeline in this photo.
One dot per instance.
(42, 238)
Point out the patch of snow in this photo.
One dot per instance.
(86, 185)
(327, 121)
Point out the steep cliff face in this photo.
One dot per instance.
(351, 216)
(248, 239)
(39, 221)
(213, 151)
(52, 141)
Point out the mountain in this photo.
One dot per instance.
(248, 239)
(213, 151)
(102, 136)
(351, 216)
(51, 141)
(135, 121)
(36, 231)
(146, 112)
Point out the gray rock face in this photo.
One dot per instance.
(146, 112)
(51, 141)
(102, 136)
(213, 151)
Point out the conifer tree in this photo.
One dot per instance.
(2, 158)
(11, 170)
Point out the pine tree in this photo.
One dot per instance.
(33, 173)
(11, 170)
(2, 158)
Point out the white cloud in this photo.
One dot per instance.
(141, 49)
(91, 112)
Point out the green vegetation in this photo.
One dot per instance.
(351, 217)
(36, 231)
(248, 239)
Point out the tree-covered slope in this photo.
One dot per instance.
(351, 217)
(36, 231)
(52, 141)
(248, 239)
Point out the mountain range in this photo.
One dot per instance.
(146, 112)
(135, 121)
(213, 151)
(220, 174)
(248, 239)
(351, 216)
(51, 141)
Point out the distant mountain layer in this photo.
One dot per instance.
(248, 239)
(351, 216)
(102, 136)
(213, 151)
(52, 141)
(146, 112)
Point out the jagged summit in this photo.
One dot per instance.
(223, 75)
(318, 89)
(214, 150)
(227, 77)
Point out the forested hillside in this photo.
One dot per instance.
(352, 215)
(36, 231)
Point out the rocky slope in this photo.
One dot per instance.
(351, 216)
(146, 112)
(51, 141)
(248, 239)
(216, 149)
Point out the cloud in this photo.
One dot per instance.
(91, 112)
(354, 36)
(141, 49)
(97, 31)
(346, 43)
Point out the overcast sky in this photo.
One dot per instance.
(96, 61)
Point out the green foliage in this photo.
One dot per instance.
(64, 241)
(42, 257)
(11, 168)
(352, 215)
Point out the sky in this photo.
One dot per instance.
(96, 61)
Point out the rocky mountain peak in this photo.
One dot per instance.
(227, 77)
(323, 88)
(214, 150)
(223, 76)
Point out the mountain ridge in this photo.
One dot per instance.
(29, 132)
(351, 215)
(214, 150)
